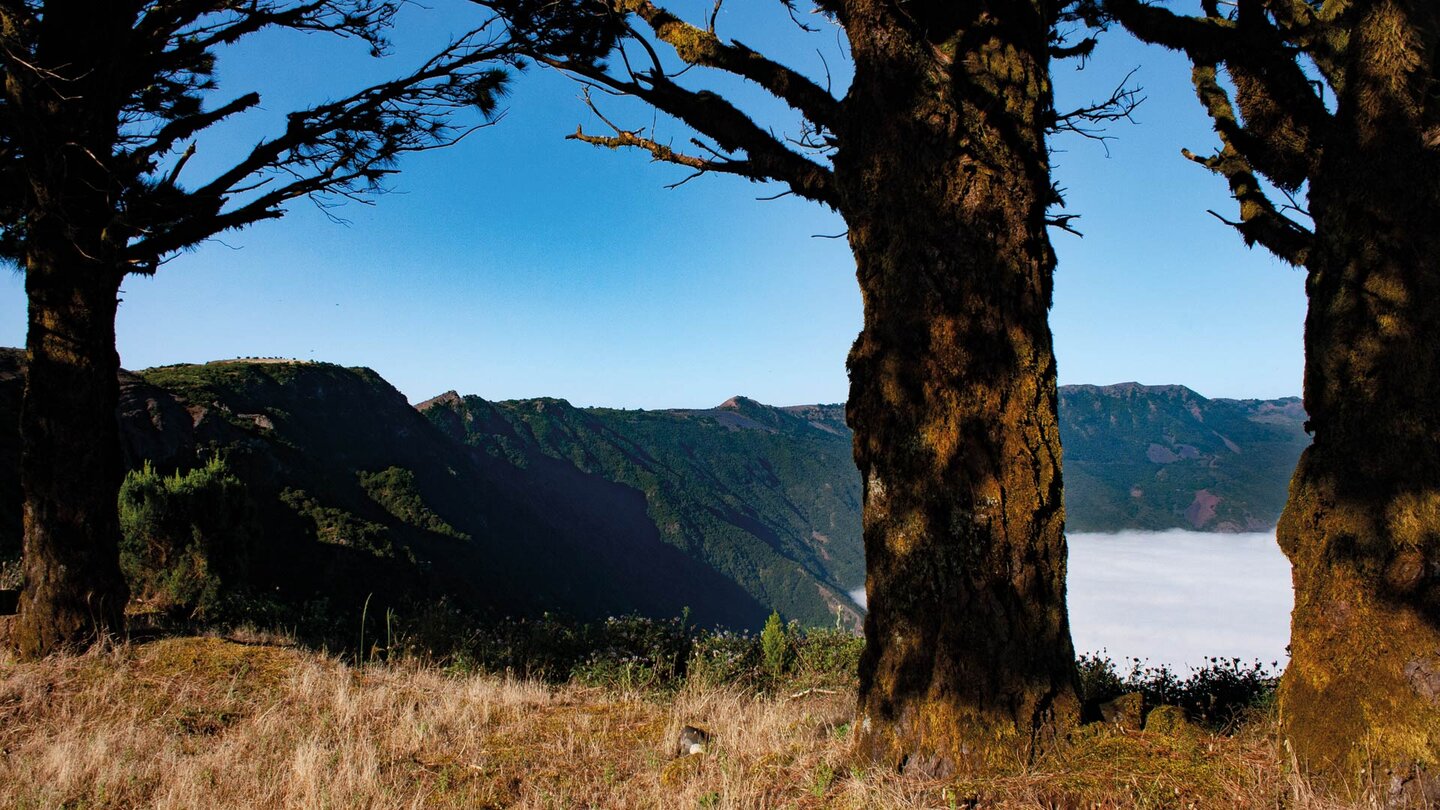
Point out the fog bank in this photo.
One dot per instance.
(1177, 597)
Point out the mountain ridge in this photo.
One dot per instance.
(535, 504)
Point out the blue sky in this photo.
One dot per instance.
(518, 264)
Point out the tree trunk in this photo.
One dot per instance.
(68, 109)
(71, 465)
(1360, 701)
(944, 182)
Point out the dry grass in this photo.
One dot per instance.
(205, 722)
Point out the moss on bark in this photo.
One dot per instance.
(944, 183)
(1360, 701)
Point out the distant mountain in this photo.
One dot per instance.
(530, 505)
(1163, 457)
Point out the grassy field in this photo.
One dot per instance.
(252, 722)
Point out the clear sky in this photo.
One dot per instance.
(518, 264)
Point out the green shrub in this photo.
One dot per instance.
(185, 538)
(776, 647)
(827, 657)
(339, 527)
(725, 658)
(1215, 694)
(394, 489)
(633, 652)
(1099, 681)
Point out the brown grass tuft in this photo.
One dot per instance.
(208, 722)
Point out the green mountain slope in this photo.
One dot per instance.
(359, 494)
(767, 497)
(523, 506)
(1162, 457)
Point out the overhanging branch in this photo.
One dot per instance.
(1260, 221)
(698, 46)
(766, 156)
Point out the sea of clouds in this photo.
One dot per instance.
(1178, 597)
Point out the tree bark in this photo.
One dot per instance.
(1360, 700)
(67, 114)
(71, 466)
(944, 182)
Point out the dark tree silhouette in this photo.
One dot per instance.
(100, 109)
(936, 157)
(1339, 100)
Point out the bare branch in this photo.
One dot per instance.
(766, 157)
(1062, 221)
(1121, 104)
(697, 46)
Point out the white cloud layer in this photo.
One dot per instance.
(1178, 597)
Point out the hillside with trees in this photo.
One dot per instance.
(288, 484)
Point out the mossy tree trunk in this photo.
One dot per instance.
(1343, 95)
(936, 158)
(71, 466)
(944, 187)
(1360, 701)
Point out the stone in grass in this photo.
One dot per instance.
(692, 740)
(688, 761)
(1125, 711)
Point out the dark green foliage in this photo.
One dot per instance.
(729, 658)
(632, 652)
(394, 489)
(826, 657)
(1216, 694)
(776, 648)
(624, 652)
(339, 527)
(186, 537)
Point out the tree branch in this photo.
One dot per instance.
(1204, 39)
(342, 148)
(697, 46)
(1119, 106)
(1260, 221)
(183, 128)
(766, 157)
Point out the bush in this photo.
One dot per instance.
(725, 658)
(777, 650)
(627, 652)
(1216, 694)
(185, 538)
(828, 657)
(633, 652)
